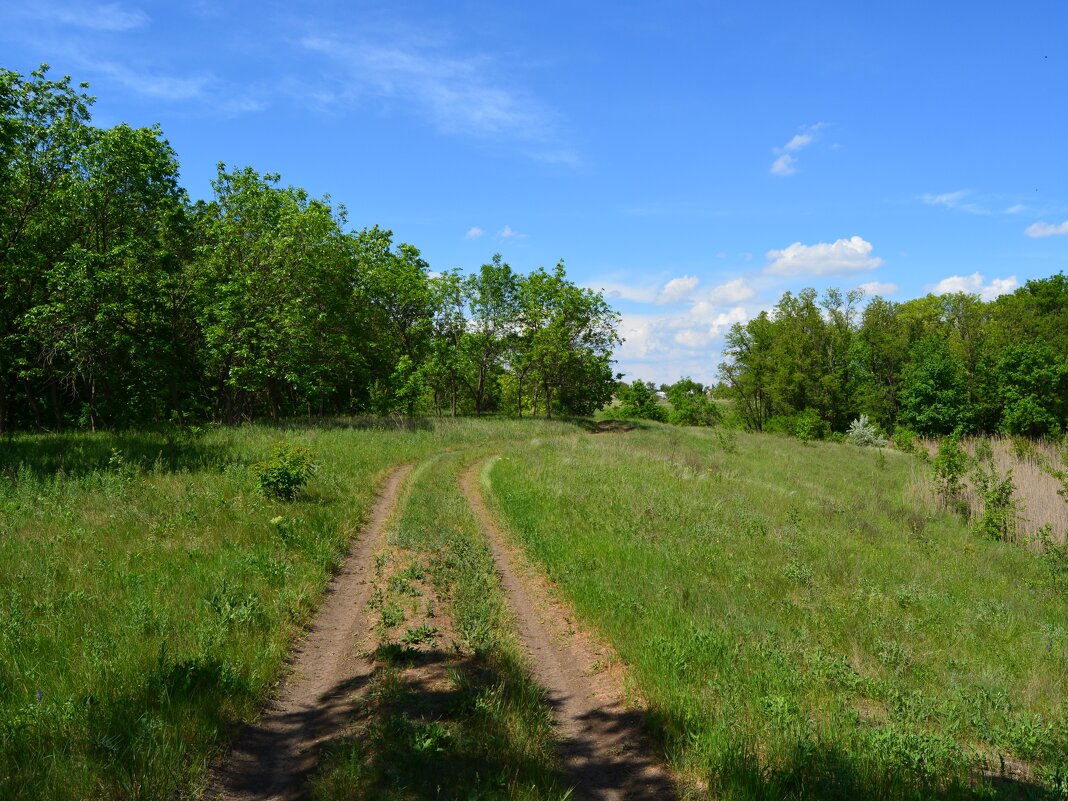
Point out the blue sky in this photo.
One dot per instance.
(695, 160)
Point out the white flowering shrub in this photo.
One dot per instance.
(863, 432)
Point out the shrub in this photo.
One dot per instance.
(639, 402)
(1000, 509)
(864, 433)
(808, 425)
(950, 467)
(285, 472)
(905, 439)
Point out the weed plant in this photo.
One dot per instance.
(800, 628)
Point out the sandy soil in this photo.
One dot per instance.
(272, 759)
(603, 746)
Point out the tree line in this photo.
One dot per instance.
(124, 303)
(931, 365)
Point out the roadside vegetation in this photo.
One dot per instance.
(800, 624)
(149, 589)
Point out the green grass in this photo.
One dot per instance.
(486, 731)
(799, 627)
(148, 591)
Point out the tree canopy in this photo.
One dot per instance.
(123, 303)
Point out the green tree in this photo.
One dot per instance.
(934, 393)
(1033, 386)
(639, 401)
(691, 405)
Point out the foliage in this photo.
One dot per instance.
(639, 401)
(285, 471)
(122, 303)
(950, 468)
(934, 397)
(1000, 510)
(863, 432)
(691, 405)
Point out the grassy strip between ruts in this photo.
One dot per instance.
(451, 711)
(148, 593)
(798, 627)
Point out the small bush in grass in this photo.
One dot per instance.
(285, 472)
(864, 433)
(950, 467)
(1000, 509)
(905, 439)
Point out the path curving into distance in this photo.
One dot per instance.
(604, 749)
(272, 759)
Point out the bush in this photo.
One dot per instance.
(285, 472)
(905, 439)
(864, 433)
(950, 467)
(640, 402)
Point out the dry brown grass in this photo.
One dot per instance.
(1036, 489)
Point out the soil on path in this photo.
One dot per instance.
(604, 747)
(272, 759)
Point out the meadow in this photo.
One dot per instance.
(800, 620)
(799, 626)
(150, 592)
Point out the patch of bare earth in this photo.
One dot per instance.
(273, 758)
(604, 746)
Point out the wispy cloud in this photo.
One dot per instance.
(96, 17)
(154, 84)
(456, 94)
(678, 289)
(824, 258)
(1042, 229)
(958, 200)
(509, 233)
(974, 285)
(474, 232)
(786, 163)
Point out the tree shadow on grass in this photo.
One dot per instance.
(77, 454)
(435, 724)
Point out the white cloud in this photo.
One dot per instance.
(457, 94)
(964, 200)
(973, 285)
(732, 292)
(166, 87)
(843, 256)
(950, 200)
(508, 233)
(873, 288)
(105, 17)
(784, 165)
(799, 141)
(1016, 208)
(1041, 229)
(677, 289)
(474, 232)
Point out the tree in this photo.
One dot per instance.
(564, 344)
(639, 401)
(690, 404)
(934, 394)
(747, 369)
(1033, 387)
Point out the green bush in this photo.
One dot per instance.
(285, 472)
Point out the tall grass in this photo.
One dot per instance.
(799, 626)
(149, 592)
(1036, 490)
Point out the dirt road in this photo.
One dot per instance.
(603, 745)
(272, 759)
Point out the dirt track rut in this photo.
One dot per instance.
(271, 760)
(603, 744)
